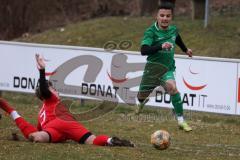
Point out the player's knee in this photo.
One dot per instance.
(172, 89)
(90, 139)
(41, 137)
(142, 96)
(141, 100)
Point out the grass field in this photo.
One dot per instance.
(220, 39)
(213, 137)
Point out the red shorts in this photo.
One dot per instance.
(60, 131)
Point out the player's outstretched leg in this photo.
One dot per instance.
(143, 99)
(104, 140)
(25, 127)
(5, 106)
(141, 105)
(115, 141)
(178, 108)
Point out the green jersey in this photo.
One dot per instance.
(157, 36)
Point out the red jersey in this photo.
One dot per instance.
(52, 108)
(55, 118)
(47, 112)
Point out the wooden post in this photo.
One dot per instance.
(82, 101)
(198, 9)
(148, 7)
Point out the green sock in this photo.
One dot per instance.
(177, 104)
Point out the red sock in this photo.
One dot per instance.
(25, 127)
(101, 140)
(5, 106)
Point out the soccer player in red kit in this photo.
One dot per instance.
(55, 123)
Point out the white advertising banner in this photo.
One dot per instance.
(238, 91)
(205, 85)
(75, 72)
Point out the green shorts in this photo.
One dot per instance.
(170, 75)
(153, 77)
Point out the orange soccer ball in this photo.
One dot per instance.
(160, 139)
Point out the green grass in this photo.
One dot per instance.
(214, 136)
(220, 39)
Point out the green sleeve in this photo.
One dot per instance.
(147, 38)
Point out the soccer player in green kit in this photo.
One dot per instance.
(158, 44)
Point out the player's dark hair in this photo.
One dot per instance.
(38, 91)
(166, 5)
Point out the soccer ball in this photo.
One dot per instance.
(160, 139)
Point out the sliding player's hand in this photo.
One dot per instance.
(40, 62)
(189, 52)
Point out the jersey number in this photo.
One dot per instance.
(43, 117)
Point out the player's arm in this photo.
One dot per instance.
(146, 45)
(183, 47)
(147, 50)
(44, 89)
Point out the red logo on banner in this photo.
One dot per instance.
(191, 87)
(117, 80)
(239, 90)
